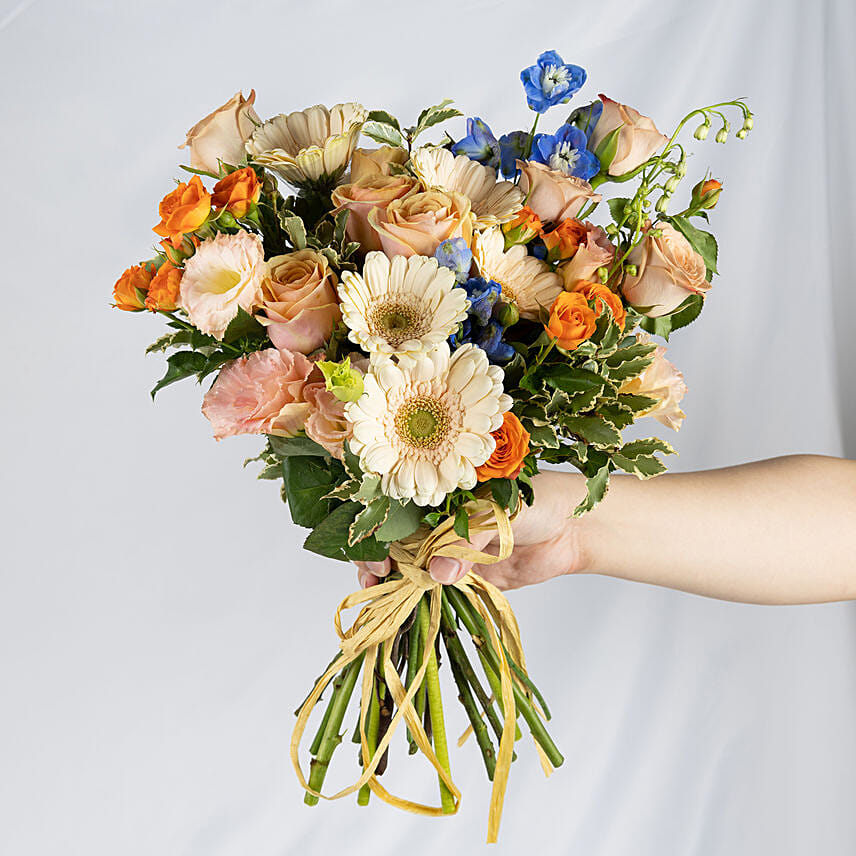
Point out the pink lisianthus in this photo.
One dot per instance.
(262, 393)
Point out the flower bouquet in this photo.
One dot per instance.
(414, 328)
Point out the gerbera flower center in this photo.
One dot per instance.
(422, 422)
(396, 322)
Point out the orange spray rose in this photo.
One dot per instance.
(164, 289)
(602, 294)
(563, 241)
(125, 289)
(237, 191)
(183, 210)
(512, 446)
(572, 320)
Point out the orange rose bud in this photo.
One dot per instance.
(164, 289)
(133, 282)
(179, 255)
(183, 210)
(572, 320)
(706, 193)
(512, 446)
(524, 227)
(563, 242)
(237, 192)
(602, 294)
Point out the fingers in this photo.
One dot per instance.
(446, 570)
(371, 573)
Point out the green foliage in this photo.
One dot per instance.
(384, 133)
(368, 520)
(306, 482)
(685, 314)
(286, 447)
(596, 487)
(702, 242)
(462, 523)
(330, 537)
(403, 520)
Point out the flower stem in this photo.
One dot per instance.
(331, 739)
(419, 700)
(435, 706)
(371, 738)
(412, 666)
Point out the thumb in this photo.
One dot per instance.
(446, 570)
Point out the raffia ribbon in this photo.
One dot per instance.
(387, 606)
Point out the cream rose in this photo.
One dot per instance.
(299, 305)
(668, 270)
(661, 380)
(222, 134)
(224, 275)
(551, 194)
(594, 252)
(361, 196)
(371, 162)
(638, 138)
(417, 224)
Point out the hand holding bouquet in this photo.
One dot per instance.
(413, 329)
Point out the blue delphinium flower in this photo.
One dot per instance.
(551, 81)
(490, 341)
(454, 254)
(512, 147)
(566, 152)
(483, 295)
(480, 328)
(479, 144)
(586, 117)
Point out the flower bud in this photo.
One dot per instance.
(507, 314)
(522, 229)
(706, 193)
(681, 168)
(603, 274)
(631, 270)
(340, 379)
(226, 221)
(722, 134)
(671, 185)
(662, 204)
(611, 230)
(702, 130)
(749, 122)
(741, 134)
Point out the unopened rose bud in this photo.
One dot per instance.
(226, 221)
(702, 130)
(631, 270)
(706, 193)
(507, 314)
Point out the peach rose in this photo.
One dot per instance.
(512, 447)
(237, 192)
(360, 197)
(572, 320)
(661, 380)
(222, 134)
(416, 224)
(259, 394)
(183, 210)
(595, 251)
(299, 305)
(372, 162)
(551, 194)
(638, 138)
(668, 270)
(223, 276)
(164, 290)
(601, 294)
(125, 290)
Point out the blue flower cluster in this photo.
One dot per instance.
(566, 151)
(454, 254)
(480, 327)
(551, 81)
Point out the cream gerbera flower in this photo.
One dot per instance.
(424, 423)
(493, 202)
(401, 305)
(526, 281)
(309, 146)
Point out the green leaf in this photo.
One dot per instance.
(500, 490)
(329, 538)
(344, 491)
(170, 340)
(617, 206)
(295, 229)
(179, 366)
(543, 435)
(383, 133)
(629, 369)
(607, 147)
(685, 314)
(402, 520)
(462, 523)
(306, 481)
(368, 520)
(573, 381)
(243, 324)
(287, 447)
(384, 118)
(702, 242)
(596, 487)
(352, 463)
(646, 446)
(340, 227)
(367, 550)
(642, 466)
(369, 489)
(592, 429)
(636, 403)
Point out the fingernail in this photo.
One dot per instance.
(445, 570)
(364, 578)
(376, 568)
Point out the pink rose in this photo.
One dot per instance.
(222, 134)
(259, 394)
(638, 138)
(372, 162)
(661, 380)
(551, 194)
(594, 252)
(360, 197)
(416, 224)
(668, 270)
(299, 305)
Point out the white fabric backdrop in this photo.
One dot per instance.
(158, 622)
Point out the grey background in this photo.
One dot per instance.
(158, 621)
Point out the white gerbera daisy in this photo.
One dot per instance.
(424, 423)
(401, 305)
(311, 145)
(493, 202)
(526, 281)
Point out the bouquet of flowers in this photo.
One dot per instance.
(414, 328)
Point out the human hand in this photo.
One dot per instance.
(547, 542)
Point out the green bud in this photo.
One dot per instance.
(340, 379)
(671, 185)
(742, 134)
(702, 130)
(507, 314)
(656, 233)
(749, 122)
(662, 204)
(611, 230)
(226, 221)
(603, 274)
(681, 169)
(721, 135)
(631, 270)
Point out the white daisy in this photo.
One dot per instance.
(526, 281)
(424, 423)
(493, 202)
(311, 145)
(401, 305)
